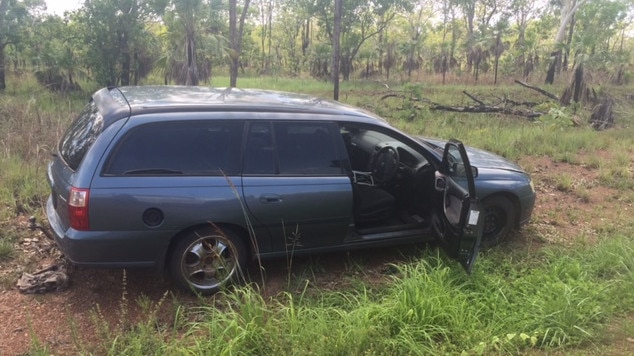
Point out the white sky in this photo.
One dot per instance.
(59, 6)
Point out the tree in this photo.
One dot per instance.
(445, 60)
(236, 31)
(416, 22)
(360, 21)
(336, 48)
(13, 23)
(266, 9)
(188, 12)
(568, 10)
(289, 31)
(478, 15)
(524, 11)
(116, 40)
(498, 46)
(54, 52)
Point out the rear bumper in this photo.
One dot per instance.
(53, 220)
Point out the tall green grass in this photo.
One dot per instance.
(515, 301)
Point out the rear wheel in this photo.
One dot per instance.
(207, 259)
(499, 218)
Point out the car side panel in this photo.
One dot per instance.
(300, 212)
(134, 218)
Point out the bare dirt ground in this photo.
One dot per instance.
(66, 322)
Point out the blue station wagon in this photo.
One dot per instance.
(200, 181)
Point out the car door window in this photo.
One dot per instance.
(307, 149)
(293, 148)
(260, 153)
(184, 148)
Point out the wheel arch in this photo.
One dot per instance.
(515, 201)
(239, 230)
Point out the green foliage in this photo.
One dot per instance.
(117, 47)
(413, 95)
(556, 119)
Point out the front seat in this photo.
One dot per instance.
(372, 203)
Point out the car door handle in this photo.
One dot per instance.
(270, 198)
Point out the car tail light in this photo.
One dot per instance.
(78, 208)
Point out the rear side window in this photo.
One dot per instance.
(81, 134)
(179, 148)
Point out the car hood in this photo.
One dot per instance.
(479, 158)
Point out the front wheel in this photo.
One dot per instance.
(499, 218)
(207, 259)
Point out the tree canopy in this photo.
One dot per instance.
(121, 42)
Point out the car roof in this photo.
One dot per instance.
(119, 102)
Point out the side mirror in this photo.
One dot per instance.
(474, 171)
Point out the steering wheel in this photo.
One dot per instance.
(385, 164)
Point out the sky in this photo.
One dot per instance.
(59, 6)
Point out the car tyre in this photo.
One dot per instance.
(207, 259)
(499, 218)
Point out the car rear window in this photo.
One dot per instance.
(81, 134)
(185, 148)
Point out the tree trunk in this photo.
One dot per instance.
(444, 66)
(499, 49)
(336, 52)
(346, 67)
(236, 29)
(4, 7)
(191, 66)
(305, 37)
(571, 30)
(270, 30)
(3, 83)
(125, 59)
(233, 38)
(555, 58)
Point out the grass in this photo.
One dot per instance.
(516, 301)
(7, 245)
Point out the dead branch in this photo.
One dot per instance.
(540, 90)
(529, 114)
(391, 95)
(529, 104)
(474, 98)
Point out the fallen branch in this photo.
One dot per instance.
(473, 98)
(529, 104)
(540, 90)
(481, 108)
(531, 115)
(392, 95)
